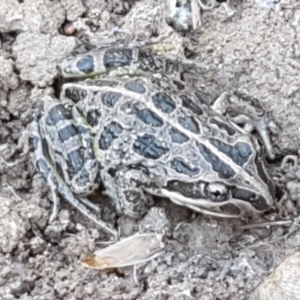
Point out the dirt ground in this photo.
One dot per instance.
(252, 46)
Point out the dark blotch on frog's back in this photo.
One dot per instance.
(137, 86)
(221, 168)
(58, 113)
(117, 58)
(149, 147)
(110, 98)
(177, 136)
(240, 152)
(148, 117)
(183, 167)
(109, 134)
(93, 116)
(163, 102)
(190, 105)
(75, 94)
(189, 123)
(86, 64)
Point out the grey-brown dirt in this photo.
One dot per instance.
(255, 50)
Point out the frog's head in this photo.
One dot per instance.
(232, 181)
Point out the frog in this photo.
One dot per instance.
(141, 132)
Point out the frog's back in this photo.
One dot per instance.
(156, 121)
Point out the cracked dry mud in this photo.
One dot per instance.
(255, 50)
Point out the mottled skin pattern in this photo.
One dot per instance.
(148, 136)
(154, 138)
(118, 61)
(65, 159)
(63, 126)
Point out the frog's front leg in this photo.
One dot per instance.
(126, 188)
(245, 110)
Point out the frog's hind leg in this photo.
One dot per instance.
(89, 204)
(43, 165)
(56, 183)
(86, 136)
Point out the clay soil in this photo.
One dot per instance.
(256, 50)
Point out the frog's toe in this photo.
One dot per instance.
(56, 201)
(246, 111)
(89, 204)
(65, 191)
(264, 127)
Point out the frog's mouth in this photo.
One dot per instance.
(216, 199)
(233, 208)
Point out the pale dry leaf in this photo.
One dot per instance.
(283, 283)
(130, 251)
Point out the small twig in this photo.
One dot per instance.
(11, 189)
(265, 224)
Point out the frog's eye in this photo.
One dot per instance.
(217, 192)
